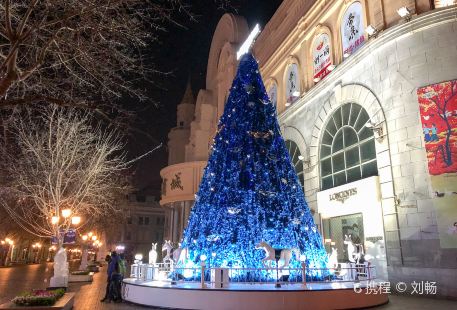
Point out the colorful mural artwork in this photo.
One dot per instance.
(438, 110)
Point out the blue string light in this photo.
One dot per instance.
(249, 191)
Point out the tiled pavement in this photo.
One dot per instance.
(89, 295)
(17, 279)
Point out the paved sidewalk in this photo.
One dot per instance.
(89, 295)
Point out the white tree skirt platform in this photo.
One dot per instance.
(249, 296)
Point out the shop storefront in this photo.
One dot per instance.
(352, 213)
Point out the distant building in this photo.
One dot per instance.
(183, 183)
(143, 224)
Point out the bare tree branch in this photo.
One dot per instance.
(63, 160)
(81, 50)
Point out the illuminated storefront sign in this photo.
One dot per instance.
(321, 56)
(359, 196)
(293, 84)
(343, 195)
(273, 93)
(352, 29)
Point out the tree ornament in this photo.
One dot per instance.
(233, 210)
(249, 88)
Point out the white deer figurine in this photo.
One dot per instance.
(175, 256)
(355, 251)
(153, 254)
(286, 255)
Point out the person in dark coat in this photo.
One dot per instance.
(112, 265)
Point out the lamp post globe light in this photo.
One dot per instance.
(89, 239)
(61, 222)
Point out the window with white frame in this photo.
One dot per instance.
(297, 161)
(347, 150)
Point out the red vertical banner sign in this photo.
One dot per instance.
(321, 56)
(438, 110)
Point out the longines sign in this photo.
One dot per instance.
(350, 198)
(343, 195)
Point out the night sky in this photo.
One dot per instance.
(182, 51)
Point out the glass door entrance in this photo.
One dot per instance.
(335, 229)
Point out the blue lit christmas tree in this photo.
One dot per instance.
(250, 191)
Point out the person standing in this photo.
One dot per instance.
(118, 277)
(112, 265)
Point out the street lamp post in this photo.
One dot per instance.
(60, 278)
(86, 240)
(36, 252)
(9, 253)
(83, 265)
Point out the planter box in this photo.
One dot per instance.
(65, 303)
(81, 277)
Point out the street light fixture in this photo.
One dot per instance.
(66, 213)
(404, 13)
(75, 220)
(372, 31)
(54, 220)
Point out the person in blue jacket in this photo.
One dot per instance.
(112, 265)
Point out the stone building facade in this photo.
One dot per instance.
(349, 112)
(144, 222)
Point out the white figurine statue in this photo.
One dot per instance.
(153, 254)
(333, 259)
(355, 251)
(60, 278)
(176, 256)
(286, 255)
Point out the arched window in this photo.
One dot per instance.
(347, 151)
(297, 162)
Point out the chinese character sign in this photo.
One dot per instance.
(321, 56)
(352, 29)
(438, 110)
(273, 93)
(293, 86)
